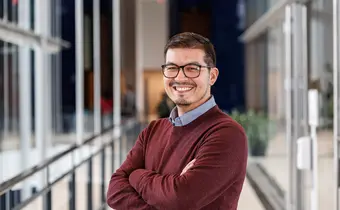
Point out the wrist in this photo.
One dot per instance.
(135, 177)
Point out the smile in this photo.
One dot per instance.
(182, 89)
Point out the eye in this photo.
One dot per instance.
(192, 68)
(171, 68)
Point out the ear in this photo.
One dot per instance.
(213, 76)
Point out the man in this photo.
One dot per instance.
(197, 158)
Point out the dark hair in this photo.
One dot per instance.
(193, 41)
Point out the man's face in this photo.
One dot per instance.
(189, 93)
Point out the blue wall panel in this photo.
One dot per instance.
(229, 89)
(68, 57)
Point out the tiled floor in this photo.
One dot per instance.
(248, 199)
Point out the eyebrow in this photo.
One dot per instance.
(170, 63)
(194, 62)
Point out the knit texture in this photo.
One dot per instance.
(150, 176)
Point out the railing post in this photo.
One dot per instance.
(336, 139)
(72, 191)
(48, 200)
(112, 156)
(103, 194)
(3, 201)
(12, 198)
(89, 186)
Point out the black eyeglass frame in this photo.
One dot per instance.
(199, 67)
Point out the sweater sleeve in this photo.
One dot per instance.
(120, 194)
(220, 162)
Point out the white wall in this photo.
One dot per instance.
(151, 37)
(155, 33)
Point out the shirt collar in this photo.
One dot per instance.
(190, 116)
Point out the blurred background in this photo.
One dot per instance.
(79, 79)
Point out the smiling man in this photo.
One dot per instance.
(196, 158)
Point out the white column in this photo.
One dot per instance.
(58, 78)
(39, 89)
(317, 44)
(139, 61)
(117, 63)
(288, 105)
(297, 66)
(15, 83)
(6, 93)
(48, 75)
(304, 70)
(6, 78)
(300, 97)
(25, 94)
(79, 70)
(97, 67)
(336, 54)
(116, 80)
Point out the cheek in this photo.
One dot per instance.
(166, 82)
(166, 85)
(203, 83)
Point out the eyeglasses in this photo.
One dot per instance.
(189, 70)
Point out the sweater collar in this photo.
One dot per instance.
(190, 116)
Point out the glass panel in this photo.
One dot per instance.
(320, 62)
(10, 94)
(321, 78)
(9, 104)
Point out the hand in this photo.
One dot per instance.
(188, 166)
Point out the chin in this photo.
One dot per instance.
(182, 103)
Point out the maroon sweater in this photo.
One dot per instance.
(150, 176)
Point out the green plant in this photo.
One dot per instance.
(259, 130)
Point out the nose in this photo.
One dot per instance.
(181, 75)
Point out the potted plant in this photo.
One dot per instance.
(258, 129)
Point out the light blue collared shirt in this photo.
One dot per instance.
(190, 116)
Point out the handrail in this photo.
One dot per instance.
(38, 167)
(50, 185)
(30, 38)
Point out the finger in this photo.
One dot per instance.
(190, 164)
(187, 167)
(184, 170)
(192, 161)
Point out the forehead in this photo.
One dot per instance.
(184, 55)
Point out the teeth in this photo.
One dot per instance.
(183, 88)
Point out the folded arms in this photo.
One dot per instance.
(220, 161)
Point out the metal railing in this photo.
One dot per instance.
(11, 200)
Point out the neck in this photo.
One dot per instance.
(181, 110)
